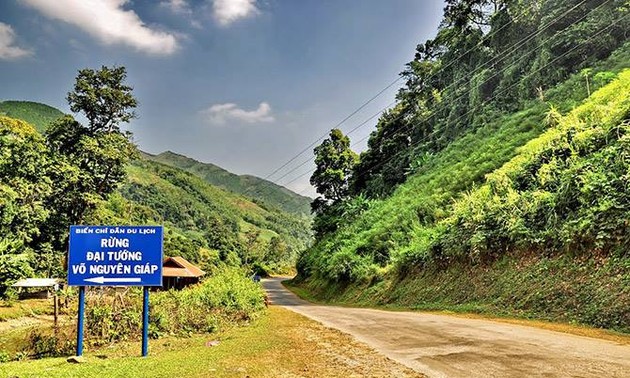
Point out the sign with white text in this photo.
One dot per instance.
(115, 256)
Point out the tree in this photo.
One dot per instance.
(90, 160)
(24, 184)
(278, 251)
(334, 160)
(103, 97)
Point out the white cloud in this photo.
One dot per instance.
(220, 114)
(8, 51)
(177, 6)
(109, 22)
(228, 11)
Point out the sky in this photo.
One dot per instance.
(243, 84)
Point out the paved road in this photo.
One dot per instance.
(446, 346)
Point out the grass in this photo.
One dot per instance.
(468, 311)
(515, 289)
(280, 344)
(26, 307)
(39, 115)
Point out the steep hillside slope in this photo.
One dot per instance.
(35, 113)
(246, 185)
(504, 220)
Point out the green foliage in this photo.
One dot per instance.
(24, 185)
(264, 193)
(538, 181)
(43, 344)
(488, 57)
(334, 161)
(12, 268)
(90, 166)
(566, 191)
(228, 295)
(103, 97)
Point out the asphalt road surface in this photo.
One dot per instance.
(448, 346)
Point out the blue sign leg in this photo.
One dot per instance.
(145, 323)
(80, 321)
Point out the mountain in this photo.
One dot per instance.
(201, 218)
(246, 185)
(35, 113)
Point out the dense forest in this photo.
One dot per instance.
(57, 172)
(499, 180)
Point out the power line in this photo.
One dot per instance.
(382, 163)
(492, 61)
(485, 38)
(309, 159)
(337, 125)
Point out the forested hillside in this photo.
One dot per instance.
(62, 173)
(262, 191)
(207, 224)
(38, 115)
(499, 182)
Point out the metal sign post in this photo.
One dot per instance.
(80, 321)
(115, 256)
(145, 322)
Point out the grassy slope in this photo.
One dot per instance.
(246, 185)
(284, 344)
(593, 291)
(38, 115)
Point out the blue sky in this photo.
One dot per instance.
(244, 84)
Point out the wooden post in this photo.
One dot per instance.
(56, 310)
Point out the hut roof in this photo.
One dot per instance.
(180, 267)
(36, 282)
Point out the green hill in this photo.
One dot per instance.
(503, 190)
(246, 185)
(38, 115)
(204, 223)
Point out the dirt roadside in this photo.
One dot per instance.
(447, 346)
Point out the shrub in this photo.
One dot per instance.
(49, 344)
(228, 295)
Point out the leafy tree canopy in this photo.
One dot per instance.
(103, 97)
(334, 160)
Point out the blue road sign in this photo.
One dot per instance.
(115, 256)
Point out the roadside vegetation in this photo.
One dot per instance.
(504, 194)
(226, 299)
(283, 344)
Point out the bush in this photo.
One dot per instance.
(228, 295)
(49, 344)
